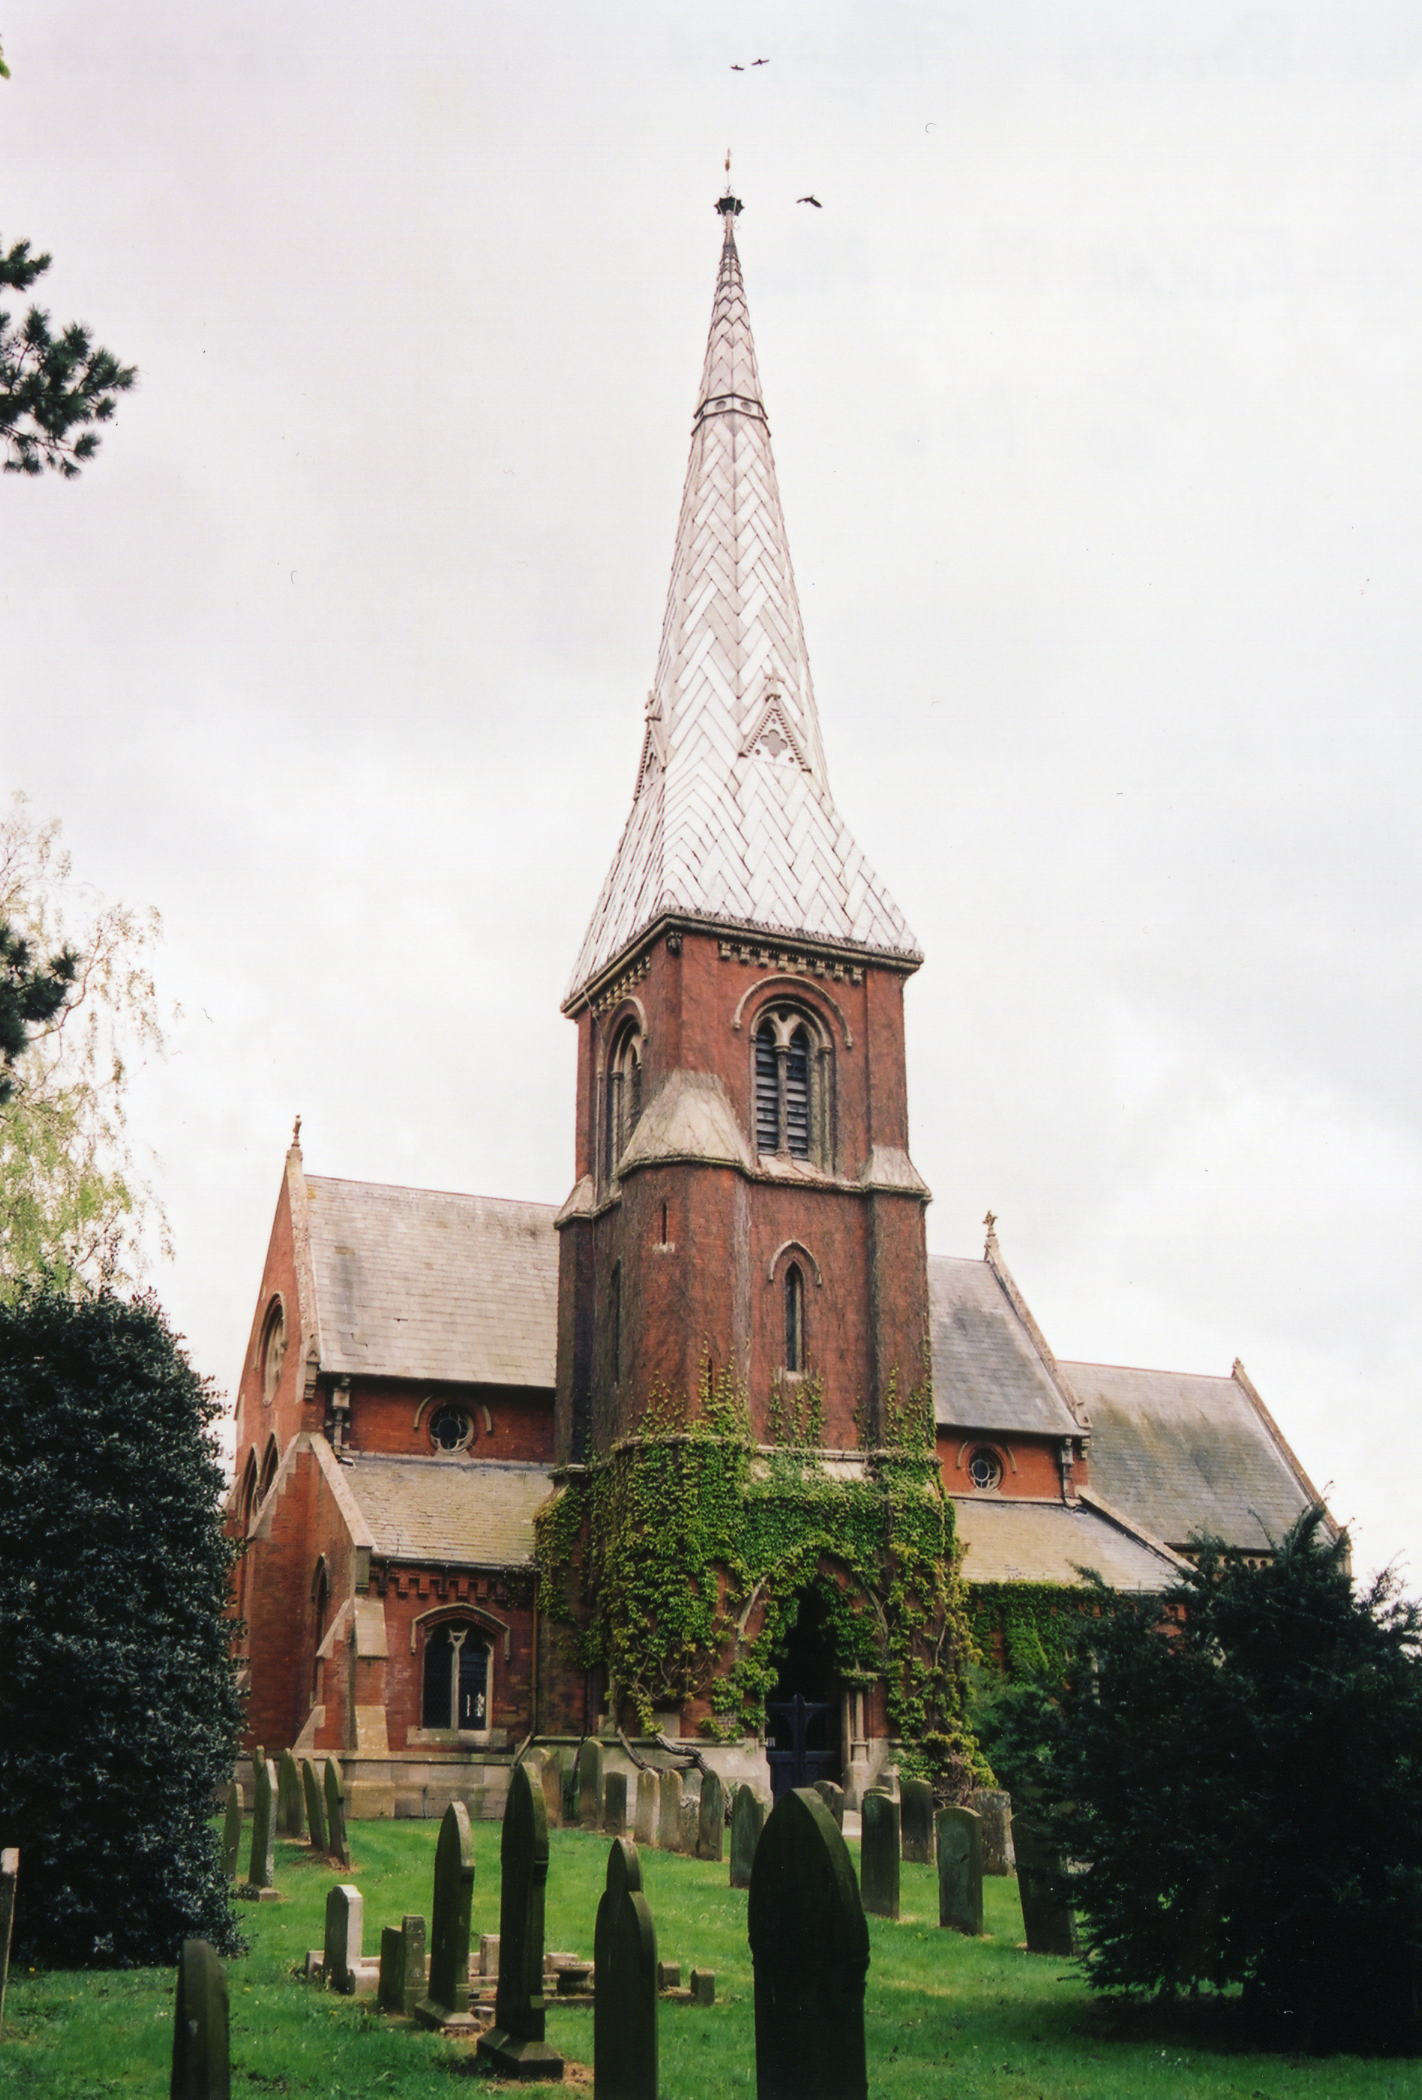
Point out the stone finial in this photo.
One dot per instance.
(296, 1135)
(990, 1243)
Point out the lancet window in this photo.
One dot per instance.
(794, 1318)
(623, 1104)
(792, 1069)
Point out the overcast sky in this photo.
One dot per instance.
(1094, 388)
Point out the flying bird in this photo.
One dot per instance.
(738, 69)
(760, 61)
(810, 200)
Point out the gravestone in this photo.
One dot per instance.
(669, 1811)
(833, 1798)
(624, 1984)
(546, 1776)
(1045, 1891)
(879, 1853)
(747, 1822)
(690, 1825)
(711, 1818)
(960, 1870)
(702, 1984)
(9, 1885)
(345, 1930)
(201, 2059)
(291, 1811)
(644, 1819)
(614, 1804)
(446, 2004)
(994, 1811)
(261, 1866)
(916, 1821)
(402, 1966)
(315, 1806)
(232, 1830)
(335, 1802)
(515, 2046)
(587, 1782)
(810, 1947)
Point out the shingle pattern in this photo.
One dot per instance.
(1050, 1542)
(732, 820)
(1181, 1453)
(447, 1511)
(987, 1372)
(418, 1283)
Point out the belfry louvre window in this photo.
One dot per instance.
(790, 1070)
(456, 1687)
(623, 1104)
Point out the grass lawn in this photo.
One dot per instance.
(948, 2019)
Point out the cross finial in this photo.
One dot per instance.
(727, 204)
(296, 1135)
(991, 1223)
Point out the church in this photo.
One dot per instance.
(716, 1456)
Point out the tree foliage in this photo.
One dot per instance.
(1244, 1794)
(120, 1704)
(72, 1208)
(54, 385)
(31, 994)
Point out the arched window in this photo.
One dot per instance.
(251, 1492)
(791, 1086)
(456, 1681)
(623, 1105)
(794, 1318)
(272, 1349)
(271, 1459)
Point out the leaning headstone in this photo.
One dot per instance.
(994, 1809)
(232, 1830)
(587, 1780)
(446, 2004)
(544, 1771)
(1045, 1891)
(624, 1984)
(960, 1870)
(291, 1810)
(345, 1930)
(515, 2045)
(335, 1800)
(747, 1822)
(402, 1966)
(879, 1853)
(810, 1947)
(9, 1883)
(669, 1811)
(916, 1821)
(315, 1806)
(261, 1867)
(833, 1798)
(644, 1815)
(614, 1804)
(711, 1818)
(201, 2059)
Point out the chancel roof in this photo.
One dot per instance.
(420, 1283)
(988, 1372)
(457, 1513)
(1052, 1542)
(732, 818)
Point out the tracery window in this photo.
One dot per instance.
(792, 1067)
(984, 1469)
(451, 1428)
(456, 1677)
(623, 1105)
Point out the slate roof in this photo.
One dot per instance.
(1050, 1542)
(987, 1370)
(1182, 1453)
(419, 1283)
(448, 1511)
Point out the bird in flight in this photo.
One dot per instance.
(760, 61)
(738, 69)
(810, 200)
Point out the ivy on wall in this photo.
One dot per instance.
(1029, 1629)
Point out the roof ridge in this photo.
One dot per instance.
(1081, 1363)
(411, 1188)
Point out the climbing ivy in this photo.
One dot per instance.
(1029, 1629)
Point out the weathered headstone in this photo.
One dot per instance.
(334, 1795)
(879, 1853)
(669, 1811)
(261, 1866)
(810, 1946)
(447, 2003)
(546, 1776)
(9, 1885)
(201, 2058)
(916, 1821)
(516, 2045)
(690, 1825)
(232, 1830)
(702, 1983)
(1044, 1890)
(994, 1811)
(711, 1818)
(747, 1822)
(960, 1870)
(614, 1804)
(315, 1805)
(833, 1797)
(625, 1984)
(345, 1930)
(291, 1810)
(644, 1817)
(587, 1778)
(402, 1966)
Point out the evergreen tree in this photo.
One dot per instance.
(31, 994)
(53, 387)
(116, 1680)
(1243, 1791)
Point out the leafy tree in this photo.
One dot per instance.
(72, 1208)
(53, 386)
(31, 994)
(120, 1703)
(1243, 1791)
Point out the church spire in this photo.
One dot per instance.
(732, 819)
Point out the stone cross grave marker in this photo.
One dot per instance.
(747, 1823)
(232, 1830)
(624, 1984)
(614, 1804)
(833, 1798)
(335, 1800)
(516, 2044)
(960, 1870)
(916, 1816)
(261, 1865)
(669, 1811)
(810, 1949)
(291, 1810)
(587, 1779)
(447, 2003)
(315, 1806)
(9, 1887)
(879, 1853)
(201, 2057)
(345, 1931)
(1044, 1889)
(402, 1966)
(994, 1809)
(644, 1818)
(711, 1818)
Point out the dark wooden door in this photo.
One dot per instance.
(800, 1742)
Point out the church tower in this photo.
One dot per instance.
(742, 1255)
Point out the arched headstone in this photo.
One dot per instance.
(201, 2058)
(1044, 1889)
(587, 1780)
(810, 1946)
(516, 2043)
(960, 1870)
(232, 1829)
(711, 1818)
(334, 1797)
(624, 1984)
(261, 1868)
(614, 1804)
(447, 2002)
(747, 1823)
(879, 1853)
(916, 1818)
(644, 1820)
(291, 1809)
(669, 1811)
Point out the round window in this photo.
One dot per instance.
(985, 1469)
(450, 1428)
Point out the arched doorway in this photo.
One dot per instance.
(802, 1714)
